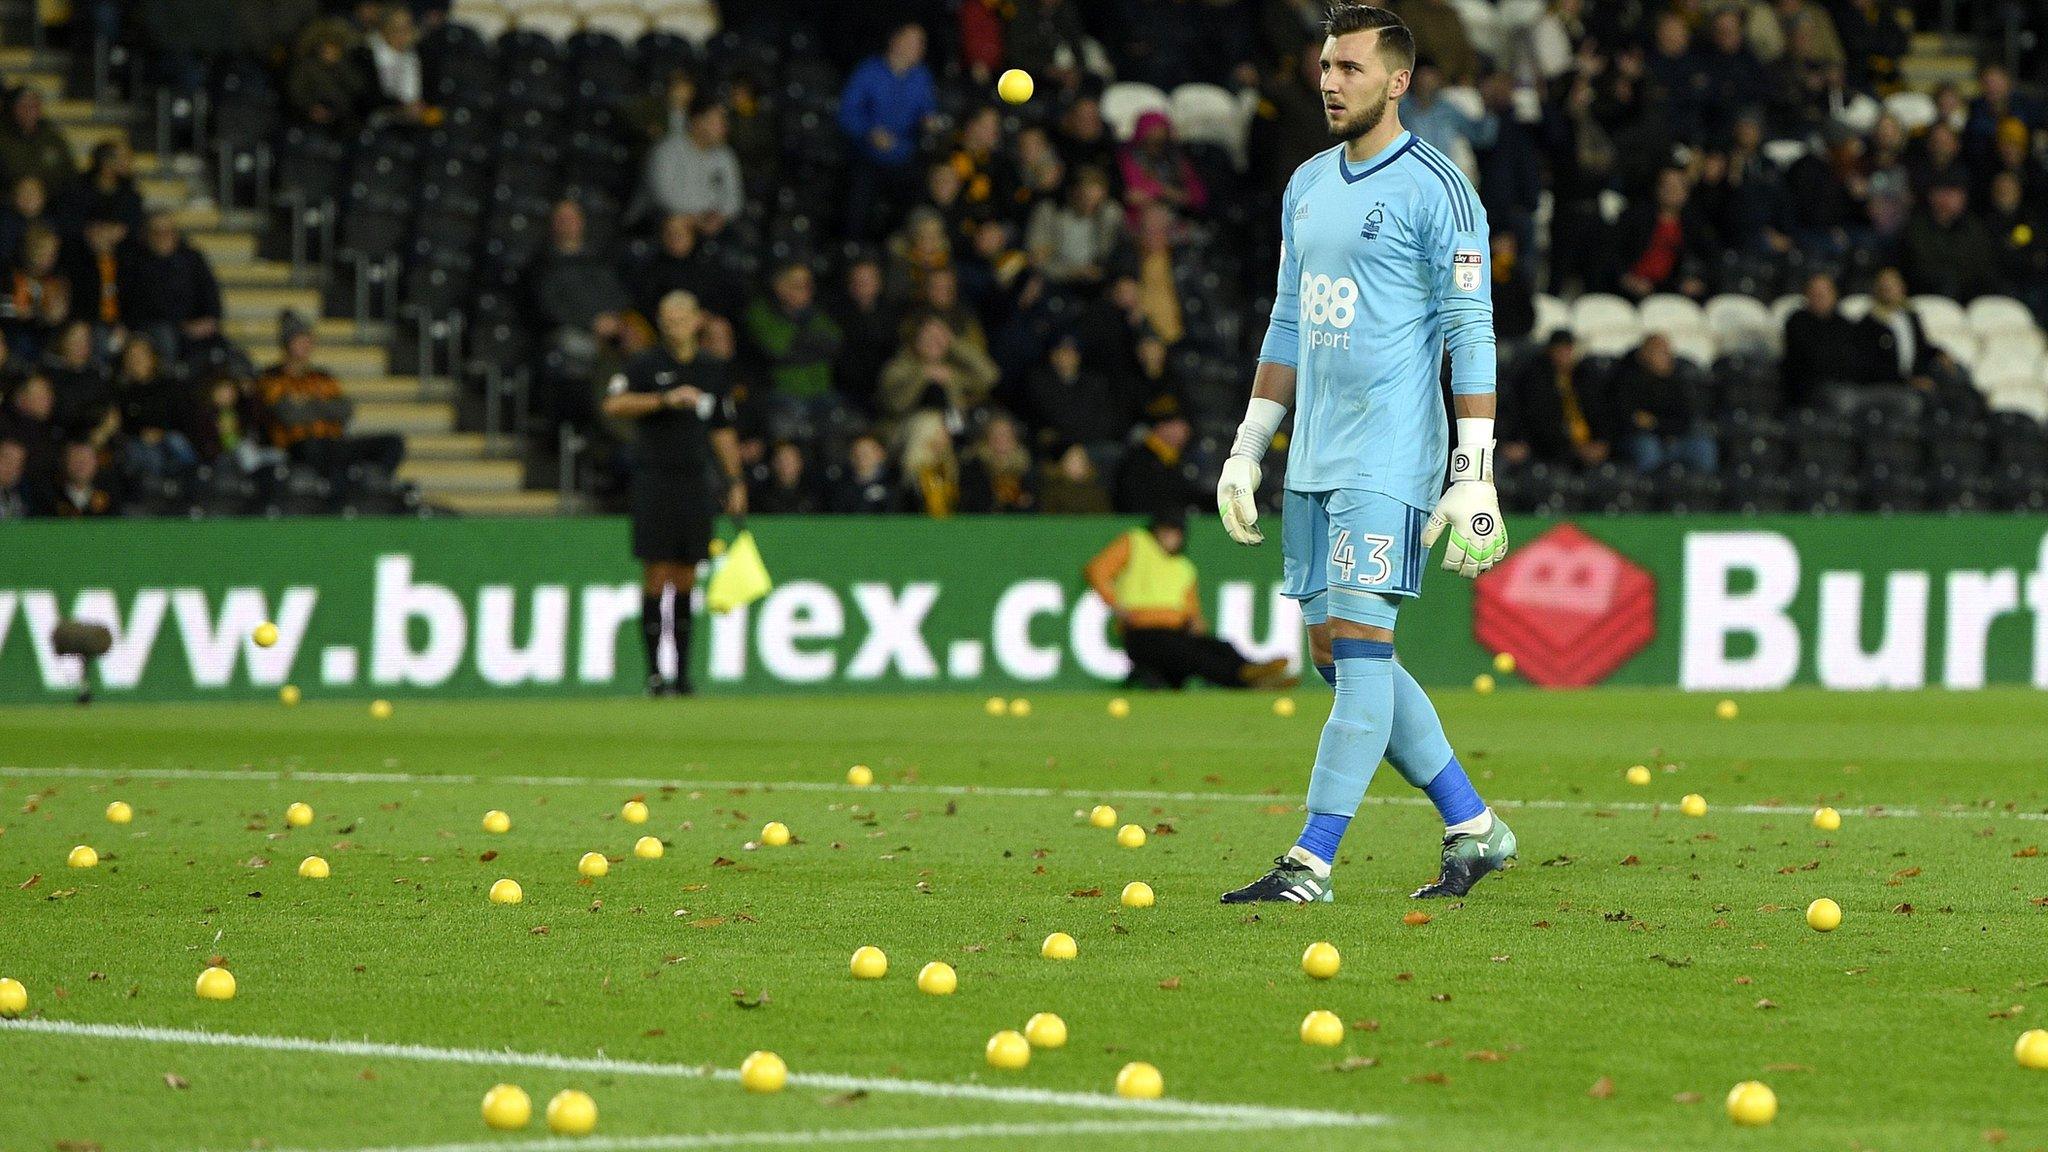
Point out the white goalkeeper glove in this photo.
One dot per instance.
(1238, 491)
(1470, 507)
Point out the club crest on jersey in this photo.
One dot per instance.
(1373, 221)
(1465, 267)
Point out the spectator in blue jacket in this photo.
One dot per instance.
(882, 110)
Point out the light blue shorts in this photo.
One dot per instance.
(1351, 554)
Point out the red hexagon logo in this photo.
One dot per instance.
(1567, 607)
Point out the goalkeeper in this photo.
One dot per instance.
(1384, 266)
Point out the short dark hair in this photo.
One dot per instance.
(1396, 43)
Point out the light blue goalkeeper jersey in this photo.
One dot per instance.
(1384, 265)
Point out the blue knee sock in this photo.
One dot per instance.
(1354, 741)
(1423, 757)
(1329, 673)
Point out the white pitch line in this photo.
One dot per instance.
(1249, 1114)
(258, 775)
(943, 1132)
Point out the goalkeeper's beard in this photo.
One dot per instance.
(1365, 120)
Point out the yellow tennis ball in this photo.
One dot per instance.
(1140, 1081)
(288, 695)
(2031, 1049)
(314, 868)
(1020, 707)
(1320, 960)
(380, 709)
(1727, 710)
(298, 815)
(1694, 804)
(1322, 1029)
(1752, 1104)
(14, 997)
(1823, 915)
(1483, 683)
(572, 1113)
(83, 856)
(995, 706)
(216, 984)
(763, 1072)
(1045, 1030)
(1827, 819)
(870, 963)
(1138, 894)
(860, 775)
(593, 864)
(119, 812)
(648, 848)
(1008, 1049)
(265, 634)
(1639, 775)
(634, 812)
(937, 979)
(507, 892)
(1102, 816)
(497, 823)
(775, 834)
(1119, 708)
(1059, 946)
(1283, 707)
(1014, 86)
(1504, 663)
(1131, 836)
(507, 1107)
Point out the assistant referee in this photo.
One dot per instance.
(676, 395)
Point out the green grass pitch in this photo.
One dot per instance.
(1604, 995)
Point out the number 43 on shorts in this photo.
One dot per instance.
(1344, 557)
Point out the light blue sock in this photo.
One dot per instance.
(1423, 757)
(1354, 741)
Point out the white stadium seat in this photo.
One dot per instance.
(1960, 346)
(1466, 99)
(1209, 114)
(1551, 315)
(2022, 350)
(1607, 341)
(1741, 324)
(1671, 314)
(1783, 307)
(626, 24)
(1856, 307)
(1604, 310)
(1939, 312)
(1696, 347)
(1516, 15)
(1482, 25)
(1860, 114)
(2030, 400)
(1915, 110)
(693, 20)
(488, 21)
(1125, 101)
(557, 23)
(1990, 314)
(1785, 153)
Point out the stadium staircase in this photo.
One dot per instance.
(455, 470)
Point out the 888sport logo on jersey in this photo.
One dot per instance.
(1328, 307)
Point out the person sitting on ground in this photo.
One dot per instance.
(1149, 585)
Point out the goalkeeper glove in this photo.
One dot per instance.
(1470, 508)
(1238, 490)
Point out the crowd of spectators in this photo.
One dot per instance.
(1016, 309)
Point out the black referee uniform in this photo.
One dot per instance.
(678, 489)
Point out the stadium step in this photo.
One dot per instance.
(446, 446)
(265, 303)
(259, 334)
(523, 503)
(252, 273)
(405, 417)
(378, 389)
(225, 247)
(436, 477)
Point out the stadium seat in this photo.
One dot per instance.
(1741, 324)
(1465, 98)
(623, 21)
(1860, 114)
(1999, 314)
(554, 22)
(1608, 342)
(1125, 101)
(1785, 153)
(1516, 15)
(1551, 315)
(1596, 310)
(1671, 314)
(1856, 306)
(488, 20)
(1915, 110)
(1482, 26)
(1209, 114)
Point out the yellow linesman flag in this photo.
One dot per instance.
(738, 578)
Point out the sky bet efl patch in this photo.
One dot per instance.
(1465, 265)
